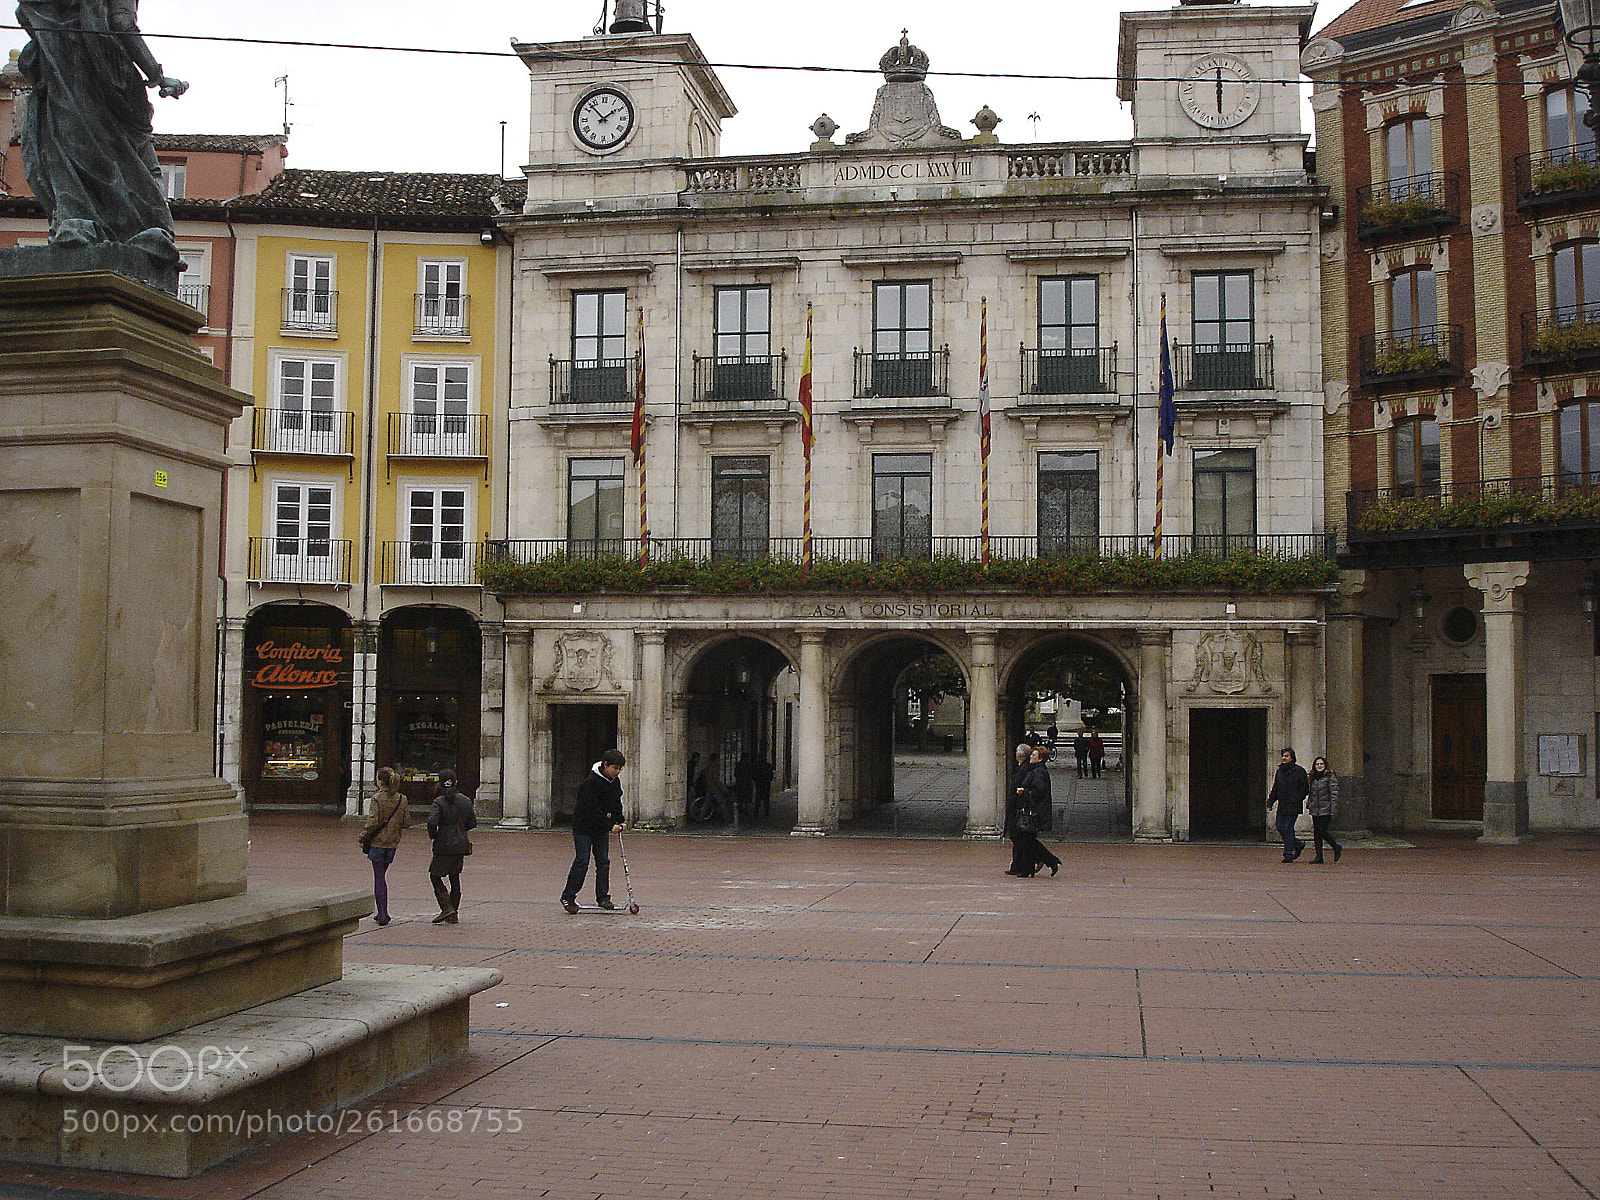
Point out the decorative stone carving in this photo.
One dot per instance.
(1227, 663)
(823, 128)
(1486, 218)
(903, 113)
(1489, 378)
(1320, 53)
(583, 663)
(1472, 14)
(986, 120)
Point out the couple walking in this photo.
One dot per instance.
(1029, 812)
(449, 818)
(1316, 793)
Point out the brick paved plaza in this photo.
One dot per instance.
(878, 1017)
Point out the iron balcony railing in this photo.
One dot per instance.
(301, 431)
(310, 311)
(902, 376)
(1230, 367)
(1426, 352)
(1069, 372)
(197, 296)
(438, 435)
(1570, 334)
(1556, 176)
(597, 385)
(1372, 512)
(1415, 202)
(300, 560)
(750, 381)
(441, 315)
(430, 564)
(967, 546)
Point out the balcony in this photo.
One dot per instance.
(324, 561)
(441, 317)
(1557, 177)
(310, 312)
(1231, 367)
(301, 431)
(1428, 353)
(1414, 204)
(596, 385)
(1566, 338)
(430, 564)
(197, 296)
(914, 374)
(438, 435)
(1540, 517)
(1068, 372)
(749, 383)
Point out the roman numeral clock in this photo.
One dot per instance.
(602, 119)
(1219, 91)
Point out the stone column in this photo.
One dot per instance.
(514, 753)
(1345, 747)
(363, 716)
(1301, 652)
(230, 731)
(1505, 799)
(983, 736)
(1150, 821)
(650, 803)
(811, 733)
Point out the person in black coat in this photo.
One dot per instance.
(1289, 790)
(1031, 796)
(596, 815)
(448, 821)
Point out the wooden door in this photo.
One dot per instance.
(1460, 747)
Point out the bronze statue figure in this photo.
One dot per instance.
(87, 145)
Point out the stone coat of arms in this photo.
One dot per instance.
(583, 663)
(1227, 663)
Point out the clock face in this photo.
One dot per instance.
(1219, 91)
(603, 119)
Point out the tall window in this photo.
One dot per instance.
(1576, 275)
(308, 304)
(301, 545)
(1224, 499)
(1416, 456)
(743, 367)
(440, 403)
(436, 534)
(1563, 120)
(1069, 502)
(1069, 335)
(1408, 148)
(174, 180)
(599, 346)
(1413, 300)
(594, 505)
(1579, 430)
(304, 421)
(902, 339)
(739, 507)
(441, 304)
(1224, 325)
(902, 506)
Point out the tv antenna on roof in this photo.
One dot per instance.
(283, 82)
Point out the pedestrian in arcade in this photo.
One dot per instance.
(1322, 802)
(1097, 755)
(1289, 790)
(448, 821)
(1080, 751)
(1028, 814)
(596, 815)
(388, 814)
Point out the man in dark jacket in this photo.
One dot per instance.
(1289, 790)
(596, 815)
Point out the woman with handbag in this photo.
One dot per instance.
(448, 821)
(388, 815)
(1030, 815)
(1322, 802)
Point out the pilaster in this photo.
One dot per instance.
(1151, 822)
(984, 754)
(1505, 794)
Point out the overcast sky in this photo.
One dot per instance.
(382, 110)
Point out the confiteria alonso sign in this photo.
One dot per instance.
(297, 666)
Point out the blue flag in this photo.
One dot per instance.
(1168, 413)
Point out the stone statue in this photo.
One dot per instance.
(87, 147)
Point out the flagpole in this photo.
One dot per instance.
(983, 423)
(638, 449)
(1166, 419)
(805, 446)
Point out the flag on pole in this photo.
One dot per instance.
(1167, 419)
(983, 423)
(805, 444)
(637, 444)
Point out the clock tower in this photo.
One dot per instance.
(612, 113)
(1205, 80)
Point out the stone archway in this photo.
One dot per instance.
(737, 699)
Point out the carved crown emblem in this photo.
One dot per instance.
(904, 63)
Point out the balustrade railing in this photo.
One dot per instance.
(300, 560)
(301, 431)
(1068, 372)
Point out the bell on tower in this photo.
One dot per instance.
(633, 16)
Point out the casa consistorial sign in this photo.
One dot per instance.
(902, 170)
(895, 610)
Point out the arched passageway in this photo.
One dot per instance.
(738, 744)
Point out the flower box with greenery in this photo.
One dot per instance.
(1567, 339)
(1406, 358)
(1242, 572)
(1420, 513)
(1566, 175)
(1381, 212)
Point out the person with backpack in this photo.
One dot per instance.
(448, 821)
(596, 815)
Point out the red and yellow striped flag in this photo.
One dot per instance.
(637, 444)
(805, 445)
(983, 423)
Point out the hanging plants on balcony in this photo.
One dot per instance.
(1407, 358)
(1383, 211)
(1567, 340)
(1570, 175)
(1420, 513)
